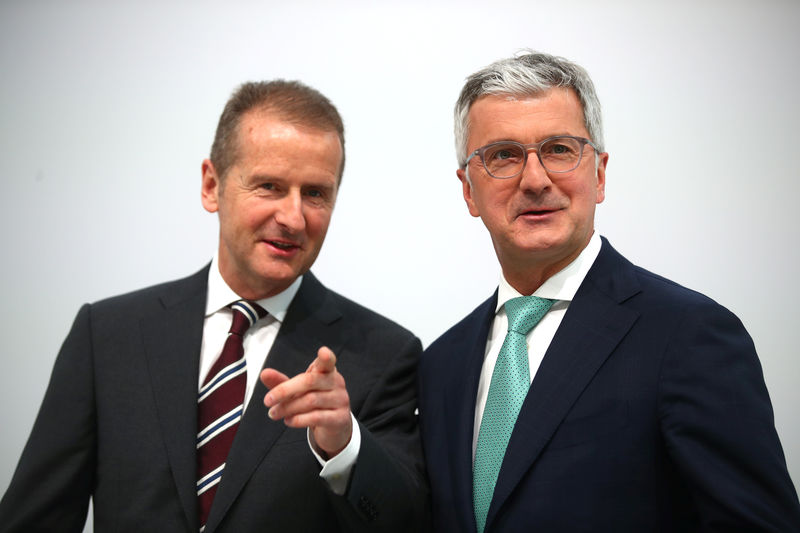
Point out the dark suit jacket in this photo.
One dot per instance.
(118, 423)
(648, 413)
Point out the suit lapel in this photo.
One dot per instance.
(172, 341)
(305, 328)
(593, 326)
(460, 392)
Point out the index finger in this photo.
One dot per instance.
(325, 361)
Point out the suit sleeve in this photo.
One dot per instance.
(718, 426)
(387, 489)
(53, 481)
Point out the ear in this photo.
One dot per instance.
(601, 176)
(210, 188)
(467, 190)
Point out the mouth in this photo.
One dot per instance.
(282, 246)
(537, 213)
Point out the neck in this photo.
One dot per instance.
(528, 273)
(250, 288)
(526, 282)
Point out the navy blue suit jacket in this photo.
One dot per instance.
(648, 413)
(119, 424)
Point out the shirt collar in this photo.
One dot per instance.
(220, 295)
(561, 286)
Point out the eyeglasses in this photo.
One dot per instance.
(507, 159)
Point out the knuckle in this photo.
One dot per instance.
(314, 418)
(313, 401)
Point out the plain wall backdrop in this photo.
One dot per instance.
(109, 108)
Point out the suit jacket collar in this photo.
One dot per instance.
(307, 326)
(592, 327)
(459, 389)
(172, 339)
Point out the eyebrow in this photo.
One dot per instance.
(316, 184)
(549, 136)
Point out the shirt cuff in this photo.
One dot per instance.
(336, 471)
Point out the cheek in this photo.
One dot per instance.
(255, 215)
(317, 221)
(254, 220)
(583, 193)
(493, 202)
(584, 203)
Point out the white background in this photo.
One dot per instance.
(108, 110)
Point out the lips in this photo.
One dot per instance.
(537, 212)
(282, 246)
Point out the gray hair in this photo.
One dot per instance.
(527, 74)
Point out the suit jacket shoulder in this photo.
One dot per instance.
(127, 366)
(145, 301)
(615, 276)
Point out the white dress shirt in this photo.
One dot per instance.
(257, 342)
(560, 287)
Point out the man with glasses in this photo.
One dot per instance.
(586, 394)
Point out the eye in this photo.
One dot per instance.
(318, 196)
(269, 189)
(558, 148)
(561, 147)
(502, 153)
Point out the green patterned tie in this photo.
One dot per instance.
(510, 383)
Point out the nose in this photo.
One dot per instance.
(534, 178)
(289, 213)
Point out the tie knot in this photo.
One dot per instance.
(245, 314)
(525, 312)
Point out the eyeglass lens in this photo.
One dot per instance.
(505, 160)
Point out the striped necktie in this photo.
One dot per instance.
(507, 390)
(220, 404)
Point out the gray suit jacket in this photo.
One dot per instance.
(118, 423)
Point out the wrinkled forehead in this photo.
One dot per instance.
(549, 95)
(264, 126)
(525, 118)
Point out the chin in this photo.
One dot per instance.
(279, 276)
(540, 244)
(271, 274)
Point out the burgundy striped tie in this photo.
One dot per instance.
(220, 404)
